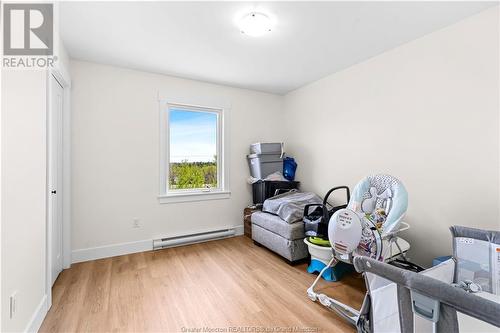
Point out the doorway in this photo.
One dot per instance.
(55, 176)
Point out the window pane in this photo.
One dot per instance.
(193, 149)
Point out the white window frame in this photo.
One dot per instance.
(184, 195)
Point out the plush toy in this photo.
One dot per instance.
(378, 217)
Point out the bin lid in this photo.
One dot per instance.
(278, 155)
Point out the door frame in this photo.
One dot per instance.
(62, 77)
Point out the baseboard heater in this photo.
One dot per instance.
(192, 238)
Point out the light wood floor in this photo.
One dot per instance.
(219, 284)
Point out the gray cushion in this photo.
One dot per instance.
(290, 249)
(273, 223)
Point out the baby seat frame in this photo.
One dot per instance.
(350, 314)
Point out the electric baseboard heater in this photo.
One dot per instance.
(190, 239)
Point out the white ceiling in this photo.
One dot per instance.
(200, 40)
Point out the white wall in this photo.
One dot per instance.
(115, 149)
(23, 194)
(426, 112)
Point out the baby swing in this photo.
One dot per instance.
(367, 227)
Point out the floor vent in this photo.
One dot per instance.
(190, 239)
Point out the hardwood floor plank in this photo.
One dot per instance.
(217, 284)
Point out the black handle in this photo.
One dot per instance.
(325, 200)
(53, 192)
(325, 210)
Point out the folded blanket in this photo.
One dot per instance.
(290, 206)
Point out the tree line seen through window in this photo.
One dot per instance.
(192, 149)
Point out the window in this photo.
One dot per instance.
(192, 154)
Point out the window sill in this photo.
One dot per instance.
(193, 196)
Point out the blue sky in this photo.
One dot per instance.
(193, 136)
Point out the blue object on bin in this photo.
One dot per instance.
(289, 167)
(436, 261)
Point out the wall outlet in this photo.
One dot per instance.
(136, 223)
(13, 304)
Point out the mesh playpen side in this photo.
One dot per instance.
(395, 295)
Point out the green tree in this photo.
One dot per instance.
(186, 175)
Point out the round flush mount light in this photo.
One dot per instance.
(255, 24)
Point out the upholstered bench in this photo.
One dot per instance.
(285, 239)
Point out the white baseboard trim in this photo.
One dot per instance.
(114, 250)
(38, 316)
(238, 230)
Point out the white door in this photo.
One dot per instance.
(55, 177)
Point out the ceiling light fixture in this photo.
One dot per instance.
(255, 24)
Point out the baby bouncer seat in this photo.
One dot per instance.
(369, 226)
